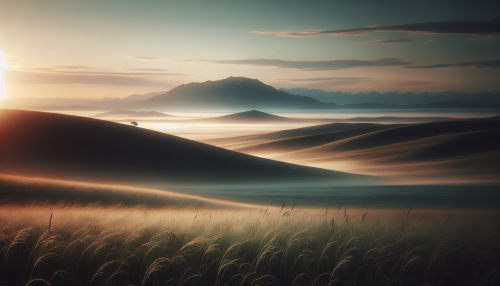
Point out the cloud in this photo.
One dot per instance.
(327, 79)
(117, 73)
(455, 27)
(477, 65)
(391, 41)
(73, 67)
(143, 58)
(312, 65)
(147, 69)
(112, 79)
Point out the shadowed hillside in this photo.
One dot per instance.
(240, 141)
(395, 135)
(308, 141)
(84, 149)
(461, 151)
(434, 148)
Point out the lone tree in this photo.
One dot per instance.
(134, 123)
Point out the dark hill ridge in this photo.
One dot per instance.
(247, 116)
(435, 148)
(290, 133)
(405, 133)
(232, 92)
(309, 141)
(84, 149)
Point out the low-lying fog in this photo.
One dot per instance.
(183, 124)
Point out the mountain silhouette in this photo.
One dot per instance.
(232, 92)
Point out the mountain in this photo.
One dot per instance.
(229, 93)
(434, 105)
(252, 116)
(56, 146)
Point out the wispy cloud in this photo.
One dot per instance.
(76, 67)
(390, 41)
(39, 76)
(326, 79)
(147, 69)
(116, 73)
(453, 27)
(143, 58)
(312, 65)
(477, 65)
(93, 70)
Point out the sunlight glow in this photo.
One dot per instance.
(2, 88)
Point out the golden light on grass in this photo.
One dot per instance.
(140, 246)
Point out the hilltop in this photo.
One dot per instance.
(251, 116)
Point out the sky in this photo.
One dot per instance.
(114, 48)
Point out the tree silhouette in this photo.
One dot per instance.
(134, 123)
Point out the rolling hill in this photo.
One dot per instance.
(230, 93)
(432, 148)
(308, 141)
(436, 152)
(251, 116)
(400, 134)
(89, 150)
(240, 141)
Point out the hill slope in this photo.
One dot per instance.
(432, 148)
(438, 152)
(240, 141)
(232, 92)
(251, 116)
(309, 141)
(85, 149)
(404, 133)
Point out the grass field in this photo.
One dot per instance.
(95, 245)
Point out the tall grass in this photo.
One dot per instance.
(268, 246)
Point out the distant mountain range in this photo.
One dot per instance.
(393, 97)
(240, 93)
(434, 105)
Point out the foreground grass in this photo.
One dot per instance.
(265, 246)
